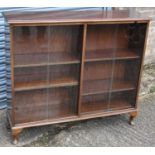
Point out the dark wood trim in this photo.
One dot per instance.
(81, 22)
(12, 74)
(82, 67)
(66, 16)
(73, 118)
(142, 64)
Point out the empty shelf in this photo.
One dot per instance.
(103, 86)
(116, 104)
(110, 54)
(43, 59)
(68, 81)
(41, 112)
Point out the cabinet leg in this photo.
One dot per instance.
(132, 117)
(15, 135)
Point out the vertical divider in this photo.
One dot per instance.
(48, 70)
(82, 66)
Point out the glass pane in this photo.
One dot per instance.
(62, 101)
(65, 44)
(122, 100)
(30, 47)
(100, 48)
(64, 70)
(30, 40)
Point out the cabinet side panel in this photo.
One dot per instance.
(12, 75)
(142, 60)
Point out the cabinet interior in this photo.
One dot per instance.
(48, 70)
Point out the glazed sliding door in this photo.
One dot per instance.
(113, 56)
(98, 68)
(30, 55)
(64, 70)
(46, 72)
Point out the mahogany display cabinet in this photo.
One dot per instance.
(74, 65)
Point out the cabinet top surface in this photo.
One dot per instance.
(71, 17)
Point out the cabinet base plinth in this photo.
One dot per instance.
(17, 128)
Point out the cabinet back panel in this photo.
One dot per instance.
(30, 74)
(123, 100)
(94, 103)
(69, 37)
(105, 37)
(44, 39)
(31, 106)
(62, 102)
(127, 71)
(103, 70)
(136, 36)
(132, 71)
(64, 71)
(30, 39)
(97, 70)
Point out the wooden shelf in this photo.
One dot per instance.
(103, 86)
(116, 104)
(110, 54)
(40, 59)
(119, 104)
(44, 111)
(64, 81)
